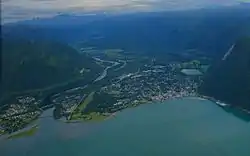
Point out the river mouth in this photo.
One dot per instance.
(180, 127)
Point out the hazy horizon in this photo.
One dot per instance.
(13, 10)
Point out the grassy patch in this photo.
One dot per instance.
(83, 105)
(2, 132)
(95, 116)
(114, 53)
(78, 112)
(26, 133)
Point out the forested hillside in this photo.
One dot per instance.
(36, 64)
(229, 79)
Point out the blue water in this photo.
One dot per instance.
(183, 127)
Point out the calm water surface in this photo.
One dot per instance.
(183, 127)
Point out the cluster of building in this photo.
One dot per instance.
(149, 83)
(152, 83)
(25, 109)
(17, 115)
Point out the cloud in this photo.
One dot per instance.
(13, 10)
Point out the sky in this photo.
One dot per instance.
(16, 10)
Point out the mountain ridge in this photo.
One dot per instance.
(211, 31)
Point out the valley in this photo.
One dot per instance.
(125, 78)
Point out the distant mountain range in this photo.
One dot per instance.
(35, 64)
(229, 79)
(208, 30)
(36, 53)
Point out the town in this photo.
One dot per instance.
(152, 83)
(149, 82)
(19, 114)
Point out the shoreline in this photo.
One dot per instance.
(222, 104)
(27, 131)
(215, 101)
(218, 102)
(107, 116)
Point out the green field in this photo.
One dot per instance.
(77, 114)
(26, 133)
(95, 116)
(114, 53)
(2, 132)
(92, 116)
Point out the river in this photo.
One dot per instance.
(105, 71)
(181, 127)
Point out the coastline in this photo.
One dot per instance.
(26, 132)
(222, 104)
(94, 117)
(218, 102)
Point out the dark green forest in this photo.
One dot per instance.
(229, 80)
(33, 64)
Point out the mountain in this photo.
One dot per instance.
(206, 30)
(229, 79)
(36, 64)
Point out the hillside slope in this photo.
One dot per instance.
(229, 80)
(31, 65)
